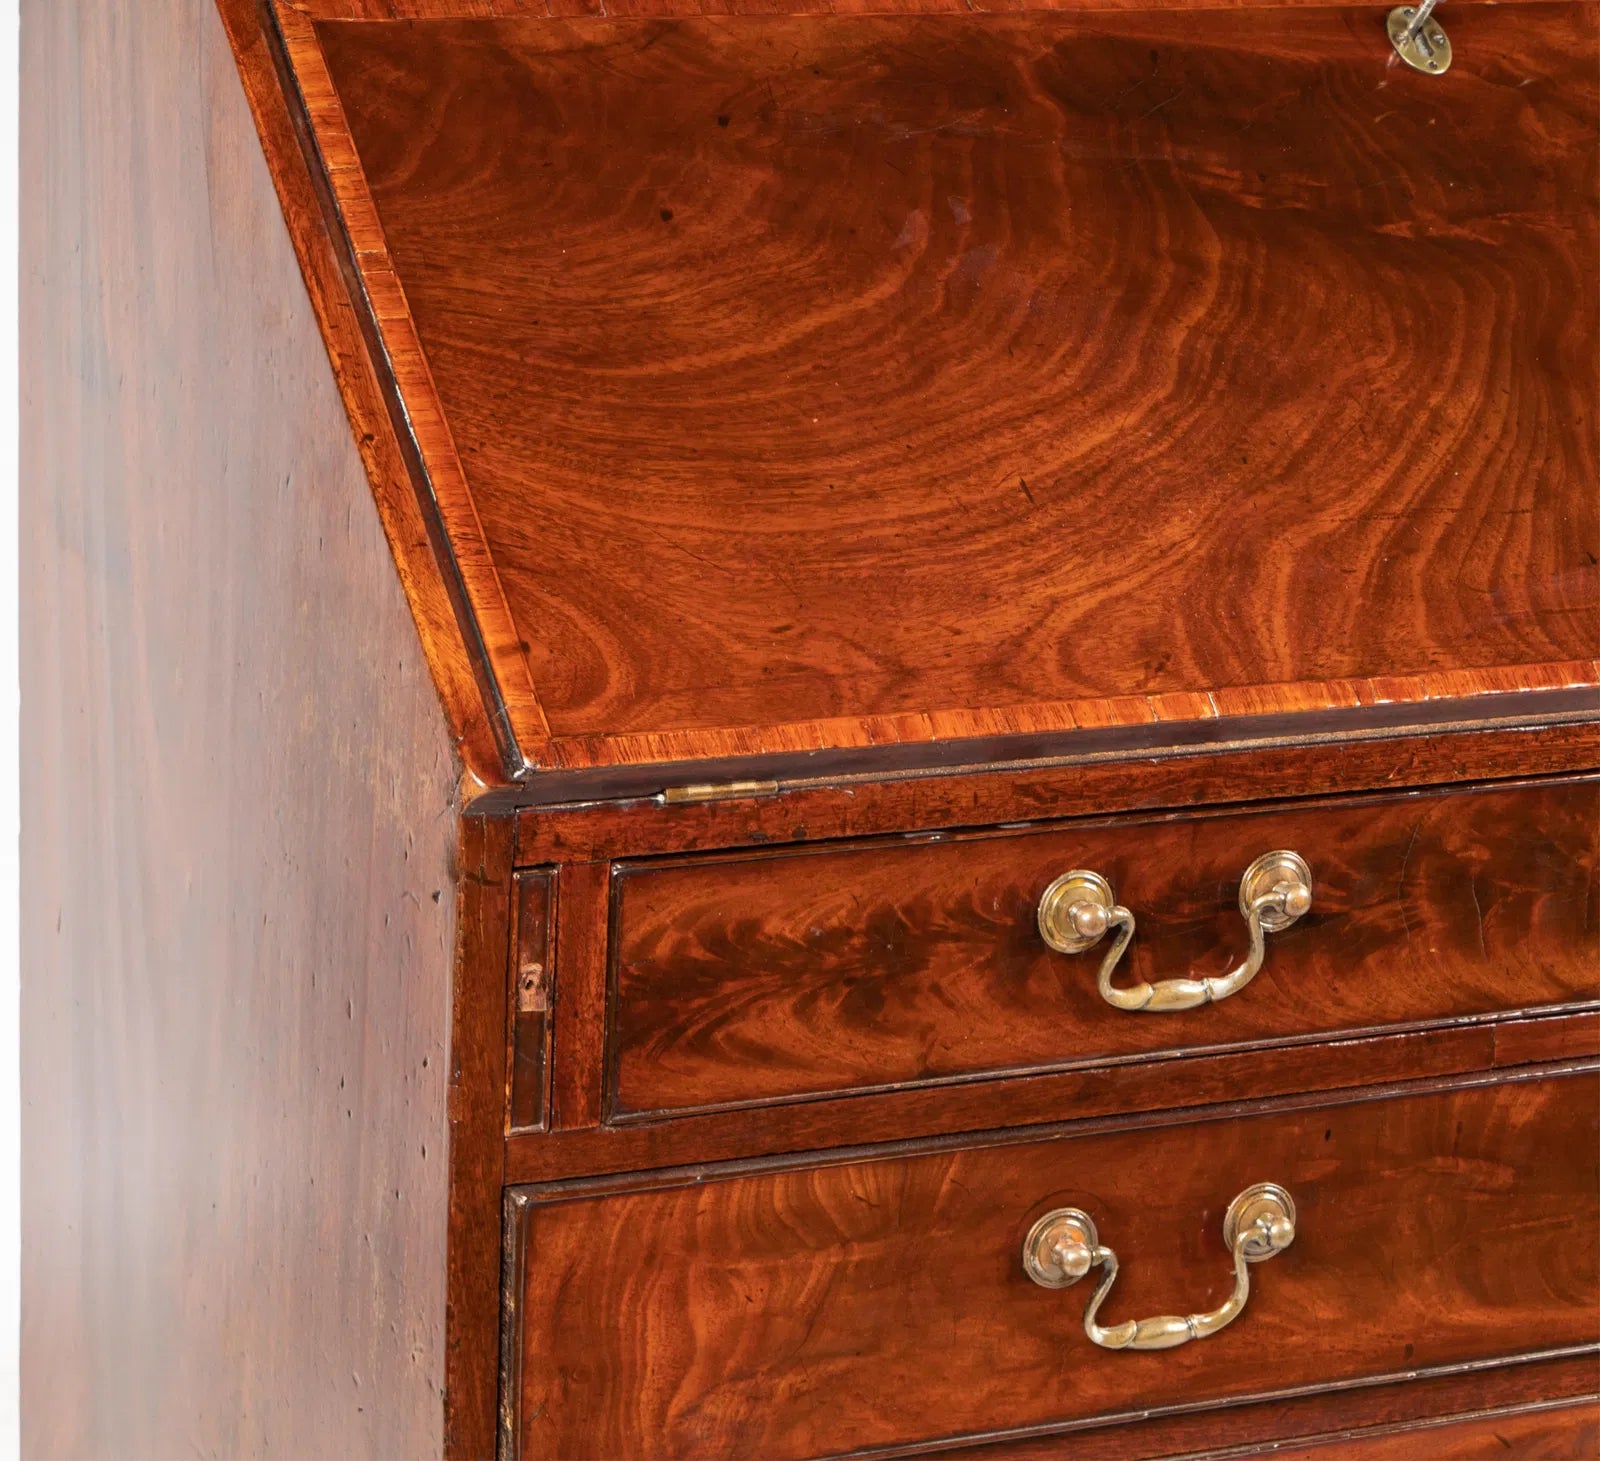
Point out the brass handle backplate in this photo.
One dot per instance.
(1078, 909)
(1063, 1246)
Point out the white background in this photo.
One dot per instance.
(10, 1205)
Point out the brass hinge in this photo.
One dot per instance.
(713, 791)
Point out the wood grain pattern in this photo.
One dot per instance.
(750, 979)
(1563, 1433)
(236, 916)
(478, 1081)
(583, 892)
(699, 448)
(540, 9)
(532, 1001)
(810, 1311)
(265, 1209)
(1511, 1393)
(440, 482)
(414, 536)
(891, 762)
(1199, 1078)
(903, 741)
(1013, 793)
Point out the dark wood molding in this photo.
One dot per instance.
(366, 386)
(583, 940)
(1561, 1389)
(531, 1020)
(1507, 1045)
(379, 10)
(478, 1081)
(825, 808)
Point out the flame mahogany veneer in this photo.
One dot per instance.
(759, 977)
(800, 1311)
(878, 371)
(844, 469)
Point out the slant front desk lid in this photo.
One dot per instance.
(772, 391)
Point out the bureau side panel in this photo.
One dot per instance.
(239, 805)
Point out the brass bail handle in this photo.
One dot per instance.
(1079, 908)
(1063, 1246)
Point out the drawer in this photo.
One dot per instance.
(882, 1301)
(739, 980)
(1562, 1433)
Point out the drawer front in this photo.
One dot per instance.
(1564, 1433)
(882, 1302)
(746, 979)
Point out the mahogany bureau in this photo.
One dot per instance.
(971, 826)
